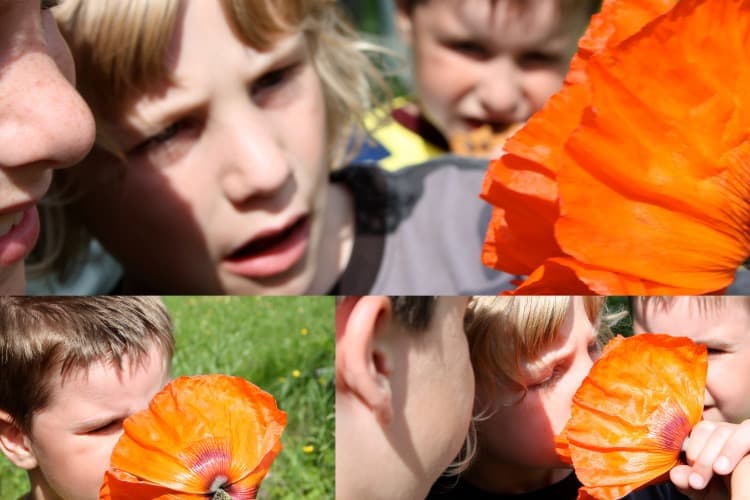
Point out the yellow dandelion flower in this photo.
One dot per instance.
(308, 449)
(295, 373)
(303, 332)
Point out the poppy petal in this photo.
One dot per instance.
(632, 413)
(201, 433)
(664, 148)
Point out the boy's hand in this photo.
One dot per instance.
(714, 448)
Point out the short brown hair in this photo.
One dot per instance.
(43, 336)
(413, 312)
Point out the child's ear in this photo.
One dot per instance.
(404, 23)
(362, 365)
(15, 444)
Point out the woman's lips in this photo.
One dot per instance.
(19, 238)
(273, 254)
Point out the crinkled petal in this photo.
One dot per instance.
(632, 413)
(655, 182)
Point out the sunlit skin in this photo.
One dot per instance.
(430, 387)
(718, 443)
(216, 163)
(517, 452)
(482, 62)
(44, 125)
(72, 438)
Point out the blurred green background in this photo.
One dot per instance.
(285, 345)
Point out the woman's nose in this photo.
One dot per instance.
(43, 120)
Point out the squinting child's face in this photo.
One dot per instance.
(226, 179)
(522, 434)
(723, 324)
(490, 62)
(73, 437)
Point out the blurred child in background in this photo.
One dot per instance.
(481, 68)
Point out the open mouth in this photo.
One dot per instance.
(9, 221)
(268, 243)
(273, 254)
(19, 231)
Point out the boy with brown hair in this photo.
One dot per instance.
(73, 369)
(404, 393)
(480, 68)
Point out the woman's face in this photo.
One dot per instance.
(226, 180)
(44, 125)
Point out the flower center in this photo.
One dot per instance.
(221, 495)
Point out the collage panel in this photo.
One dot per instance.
(247, 412)
(536, 397)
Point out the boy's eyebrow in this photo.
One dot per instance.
(177, 101)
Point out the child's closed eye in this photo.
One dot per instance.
(172, 141)
(107, 428)
(468, 48)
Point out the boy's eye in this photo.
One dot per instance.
(48, 4)
(537, 58)
(112, 426)
(469, 48)
(556, 375)
(170, 143)
(273, 80)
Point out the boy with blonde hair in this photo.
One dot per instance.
(73, 369)
(226, 184)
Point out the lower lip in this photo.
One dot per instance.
(19, 242)
(274, 260)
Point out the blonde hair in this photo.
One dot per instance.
(506, 332)
(120, 49)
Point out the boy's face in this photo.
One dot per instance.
(522, 434)
(226, 181)
(490, 62)
(44, 124)
(723, 324)
(73, 437)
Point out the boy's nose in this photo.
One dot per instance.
(255, 164)
(501, 94)
(43, 120)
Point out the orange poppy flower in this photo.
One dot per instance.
(632, 413)
(208, 435)
(635, 178)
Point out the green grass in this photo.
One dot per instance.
(285, 345)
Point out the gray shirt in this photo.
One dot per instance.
(419, 230)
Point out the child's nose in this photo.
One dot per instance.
(501, 94)
(254, 161)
